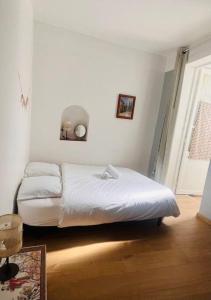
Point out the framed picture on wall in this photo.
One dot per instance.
(125, 106)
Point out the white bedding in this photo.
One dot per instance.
(88, 199)
(40, 187)
(34, 169)
(40, 212)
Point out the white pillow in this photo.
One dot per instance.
(41, 169)
(40, 187)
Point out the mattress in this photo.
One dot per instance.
(40, 212)
(90, 200)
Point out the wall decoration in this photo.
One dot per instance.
(74, 124)
(80, 131)
(24, 100)
(125, 107)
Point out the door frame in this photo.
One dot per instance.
(188, 93)
(200, 72)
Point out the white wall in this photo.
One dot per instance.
(200, 51)
(70, 69)
(16, 28)
(171, 57)
(205, 209)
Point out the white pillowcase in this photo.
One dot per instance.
(42, 169)
(40, 187)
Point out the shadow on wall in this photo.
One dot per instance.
(74, 124)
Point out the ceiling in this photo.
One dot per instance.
(150, 25)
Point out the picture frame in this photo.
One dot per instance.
(125, 106)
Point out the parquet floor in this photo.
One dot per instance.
(130, 260)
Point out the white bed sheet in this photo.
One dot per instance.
(40, 212)
(89, 200)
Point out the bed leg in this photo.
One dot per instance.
(159, 221)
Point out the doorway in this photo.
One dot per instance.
(192, 173)
(178, 173)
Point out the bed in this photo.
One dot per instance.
(40, 212)
(88, 199)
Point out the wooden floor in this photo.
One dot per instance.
(130, 261)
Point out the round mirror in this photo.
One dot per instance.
(80, 131)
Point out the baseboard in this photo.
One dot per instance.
(203, 218)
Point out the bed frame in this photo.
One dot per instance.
(159, 221)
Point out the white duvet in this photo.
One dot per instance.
(88, 199)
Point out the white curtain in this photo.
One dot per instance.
(170, 116)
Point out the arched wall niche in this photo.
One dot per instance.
(74, 124)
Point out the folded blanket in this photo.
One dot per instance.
(110, 172)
